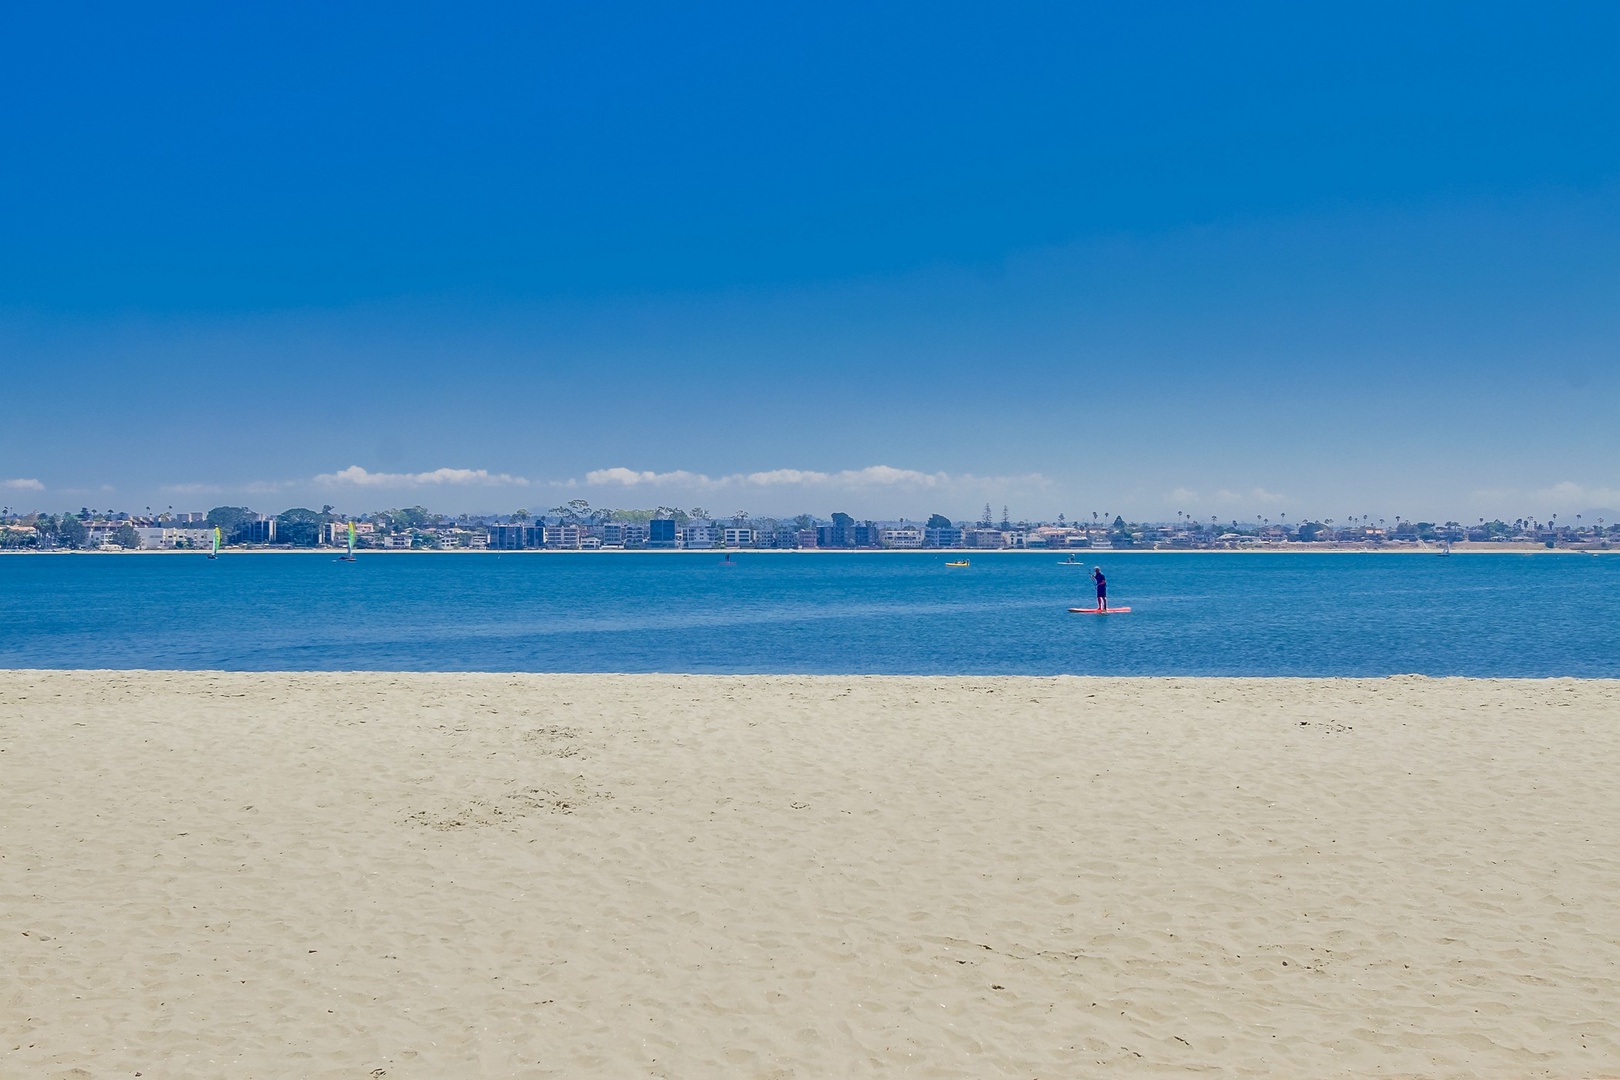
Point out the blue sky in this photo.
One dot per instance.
(1233, 260)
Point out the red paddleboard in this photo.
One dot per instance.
(1099, 611)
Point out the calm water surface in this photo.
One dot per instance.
(1193, 613)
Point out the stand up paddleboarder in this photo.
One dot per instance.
(1102, 588)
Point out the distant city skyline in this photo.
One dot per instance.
(577, 509)
(1252, 259)
(577, 526)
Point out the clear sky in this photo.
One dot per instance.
(1233, 260)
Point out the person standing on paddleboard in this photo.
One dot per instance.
(1102, 588)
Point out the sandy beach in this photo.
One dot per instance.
(441, 876)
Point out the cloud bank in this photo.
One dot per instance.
(1576, 496)
(871, 477)
(22, 484)
(355, 476)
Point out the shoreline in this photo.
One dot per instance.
(1280, 549)
(1346, 681)
(425, 875)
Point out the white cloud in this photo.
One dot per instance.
(1573, 495)
(873, 476)
(355, 476)
(22, 484)
(631, 478)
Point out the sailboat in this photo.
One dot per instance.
(349, 555)
(214, 554)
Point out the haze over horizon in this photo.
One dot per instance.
(1249, 260)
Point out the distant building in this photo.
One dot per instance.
(805, 538)
(840, 534)
(336, 533)
(624, 534)
(738, 537)
(561, 536)
(198, 536)
(453, 539)
(661, 533)
(698, 536)
(516, 537)
(945, 538)
(1055, 536)
(259, 530)
(156, 537)
(906, 536)
(984, 538)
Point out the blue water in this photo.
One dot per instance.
(1193, 614)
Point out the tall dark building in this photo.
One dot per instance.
(259, 531)
(516, 537)
(661, 533)
(840, 534)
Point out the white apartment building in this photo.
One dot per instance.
(562, 536)
(698, 536)
(906, 536)
(623, 534)
(738, 537)
(156, 537)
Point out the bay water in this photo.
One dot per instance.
(1193, 613)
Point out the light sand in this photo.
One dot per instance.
(441, 876)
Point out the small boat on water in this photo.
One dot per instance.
(1071, 561)
(348, 556)
(214, 554)
(959, 562)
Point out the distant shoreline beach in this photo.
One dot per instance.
(1090, 554)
